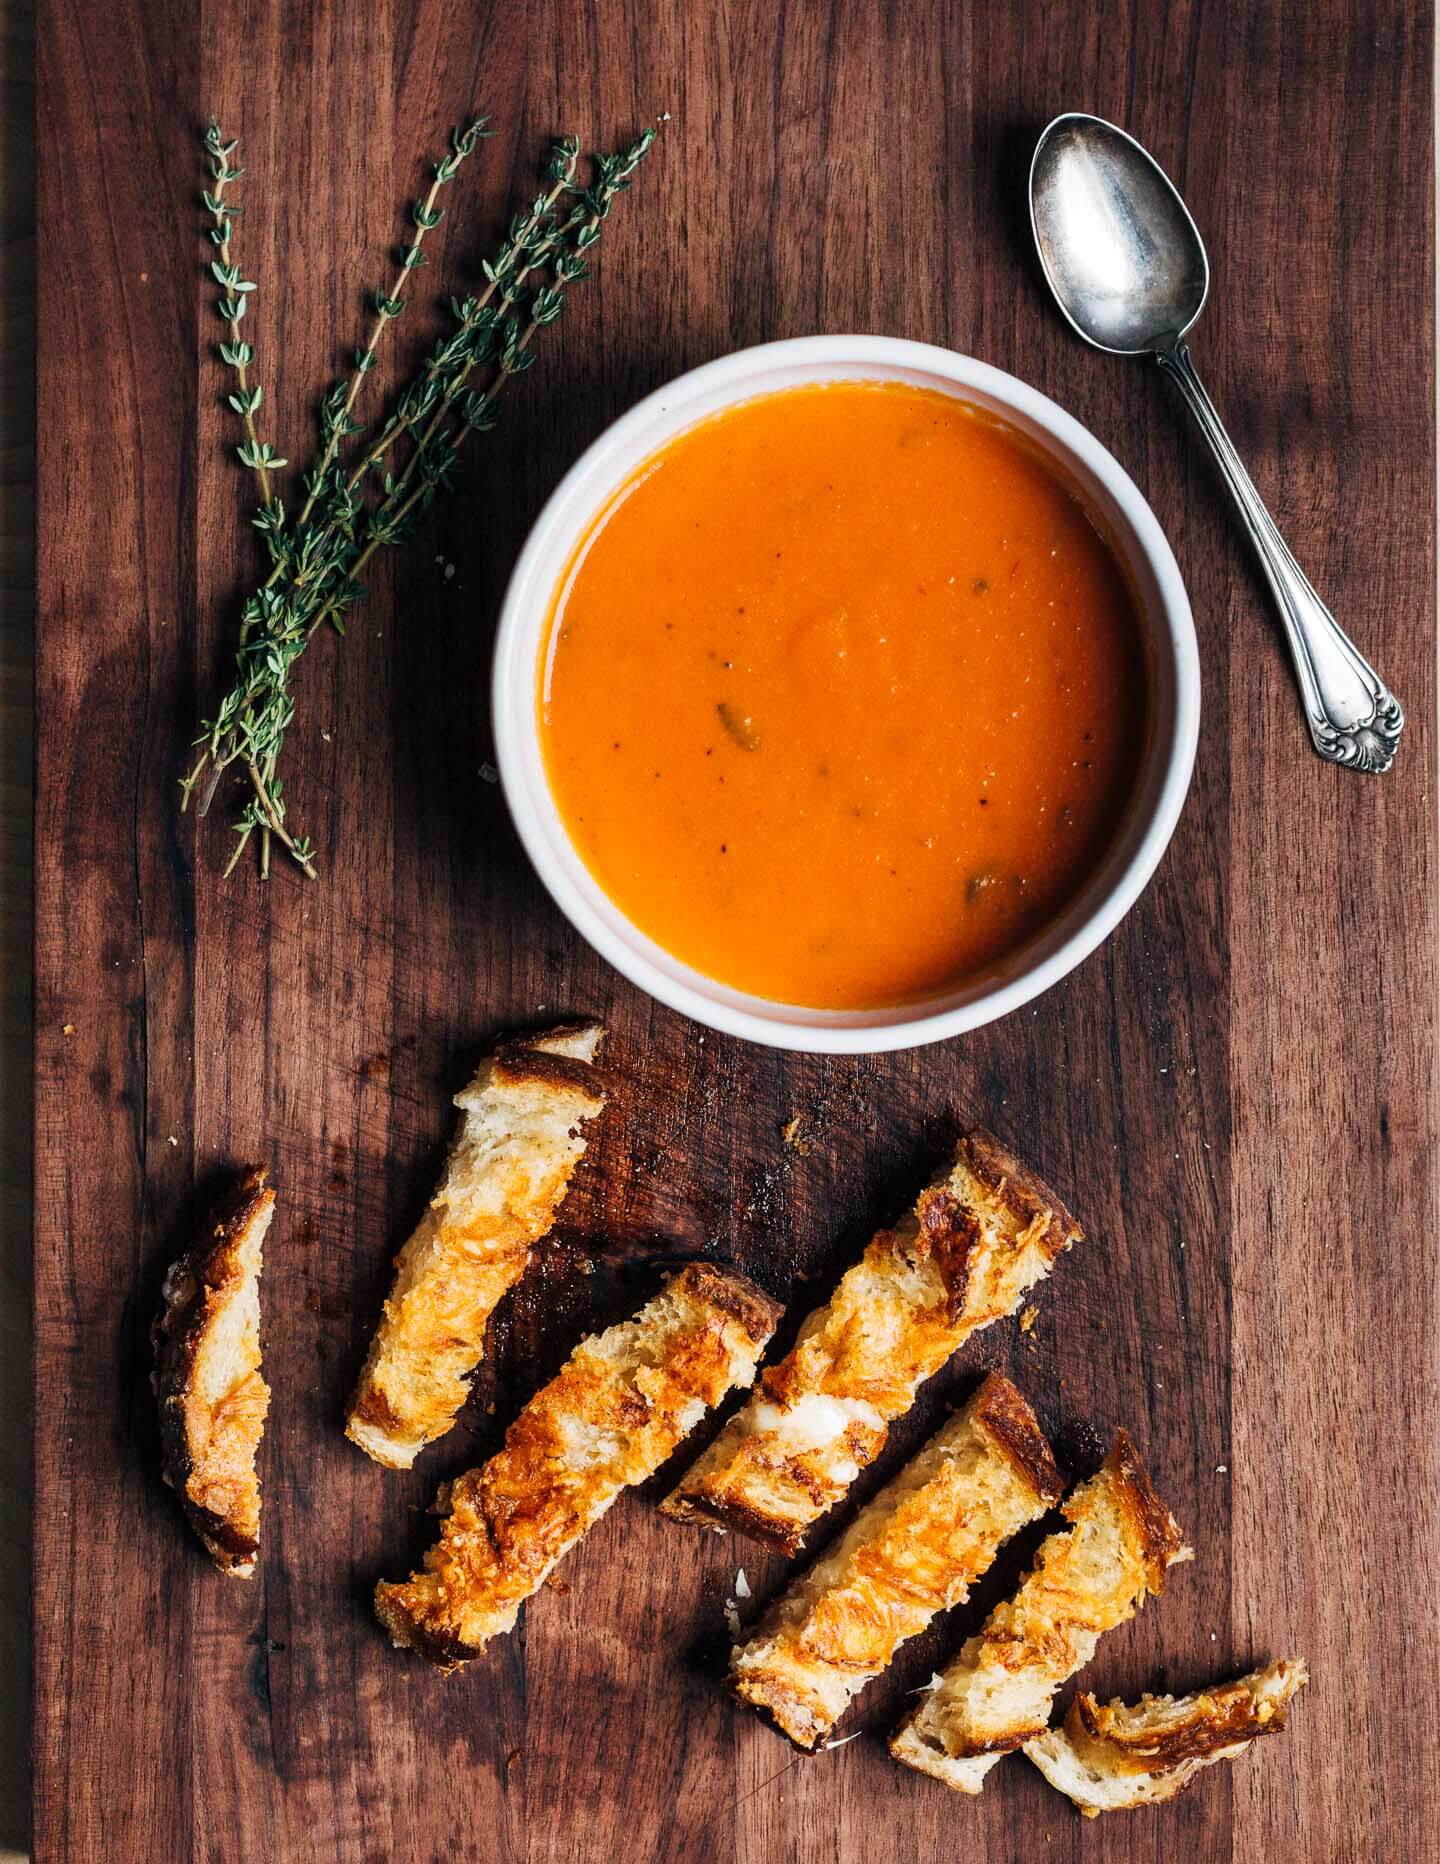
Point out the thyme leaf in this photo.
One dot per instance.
(237, 354)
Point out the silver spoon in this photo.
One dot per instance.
(1128, 269)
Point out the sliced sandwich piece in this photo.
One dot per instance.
(207, 1375)
(609, 1418)
(508, 1171)
(997, 1693)
(914, 1551)
(1110, 1757)
(982, 1234)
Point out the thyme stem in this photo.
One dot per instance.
(274, 824)
(233, 325)
(237, 353)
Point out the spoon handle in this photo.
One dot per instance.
(1353, 716)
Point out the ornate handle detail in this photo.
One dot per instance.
(1353, 716)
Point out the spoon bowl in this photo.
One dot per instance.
(1120, 252)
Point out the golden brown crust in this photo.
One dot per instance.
(1154, 1530)
(1005, 1416)
(1110, 1757)
(371, 1406)
(913, 1552)
(1025, 1191)
(729, 1292)
(508, 1171)
(976, 1241)
(1216, 1718)
(522, 1060)
(950, 1234)
(997, 1693)
(612, 1415)
(212, 1398)
(729, 1516)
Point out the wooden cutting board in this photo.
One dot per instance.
(1236, 1094)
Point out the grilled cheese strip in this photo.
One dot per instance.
(1085, 1581)
(207, 1377)
(978, 1238)
(508, 1171)
(609, 1418)
(914, 1551)
(1112, 1757)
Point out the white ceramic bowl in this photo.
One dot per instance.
(1166, 759)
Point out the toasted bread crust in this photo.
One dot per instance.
(997, 1693)
(1112, 1757)
(1010, 1424)
(212, 1398)
(978, 1238)
(997, 1167)
(726, 1291)
(608, 1419)
(508, 1171)
(913, 1552)
(533, 1061)
(1154, 1532)
(726, 1515)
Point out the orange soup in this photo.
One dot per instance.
(843, 695)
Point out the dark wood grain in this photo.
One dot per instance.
(1237, 1094)
(17, 584)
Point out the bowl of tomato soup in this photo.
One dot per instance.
(846, 694)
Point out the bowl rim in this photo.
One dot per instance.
(578, 498)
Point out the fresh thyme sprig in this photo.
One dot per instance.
(237, 353)
(350, 512)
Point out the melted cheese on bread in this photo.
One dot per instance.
(207, 1376)
(508, 1171)
(978, 1238)
(1111, 1757)
(610, 1417)
(914, 1551)
(997, 1693)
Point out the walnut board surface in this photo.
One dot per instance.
(1236, 1095)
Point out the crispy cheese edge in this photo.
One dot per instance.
(914, 1551)
(609, 1418)
(1086, 1580)
(1113, 1757)
(459, 1263)
(978, 1238)
(207, 1379)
